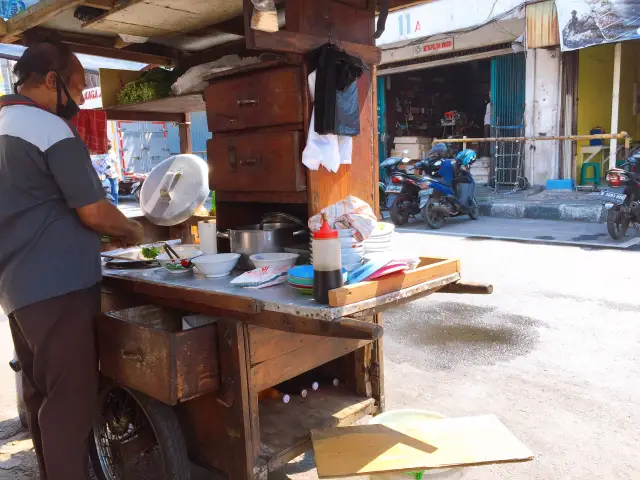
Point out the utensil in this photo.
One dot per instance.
(171, 252)
(175, 189)
(216, 265)
(183, 263)
(261, 238)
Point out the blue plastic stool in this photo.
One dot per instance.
(595, 178)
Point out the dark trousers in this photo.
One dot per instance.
(486, 146)
(56, 347)
(114, 190)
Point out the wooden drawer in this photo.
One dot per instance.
(257, 100)
(146, 349)
(264, 162)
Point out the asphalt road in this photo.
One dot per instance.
(553, 353)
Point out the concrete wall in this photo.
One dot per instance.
(542, 111)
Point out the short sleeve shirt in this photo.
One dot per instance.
(45, 175)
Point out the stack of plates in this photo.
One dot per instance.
(301, 279)
(380, 239)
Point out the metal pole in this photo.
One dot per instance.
(615, 103)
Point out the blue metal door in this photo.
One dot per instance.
(507, 120)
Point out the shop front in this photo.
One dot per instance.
(455, 85)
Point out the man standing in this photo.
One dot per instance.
(486, 146)
(106, 166)
(52, 212)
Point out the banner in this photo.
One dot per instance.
(584, 23)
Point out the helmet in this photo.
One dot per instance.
(439, 149)
(466, 157)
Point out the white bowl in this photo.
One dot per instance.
(261, 260)
(349, 232)
(186, 252)
(351, 258)
(217, 265)
(382, 230)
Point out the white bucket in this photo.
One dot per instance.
(413, 418)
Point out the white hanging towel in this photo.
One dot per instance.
(327, 150)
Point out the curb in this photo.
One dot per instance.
(564, 212)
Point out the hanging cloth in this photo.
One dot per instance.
(91, 126)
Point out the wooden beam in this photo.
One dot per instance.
(130, 116)
(284, 41)
(121, 54)
(36, 15)
(102, 4)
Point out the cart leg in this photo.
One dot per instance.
(221, 428)
(376, 370)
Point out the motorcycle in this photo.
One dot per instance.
(451, 193)
(402, 190)
(623, 200)
(106, 187)
(131, 184)
(387, 169)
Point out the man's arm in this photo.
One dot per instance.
(73, 171)
(106, 219)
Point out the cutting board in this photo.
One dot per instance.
(370, 449)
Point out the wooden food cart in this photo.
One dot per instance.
(199, 390)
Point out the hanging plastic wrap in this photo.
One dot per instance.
(265, 16)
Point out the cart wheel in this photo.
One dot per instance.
(136, 436)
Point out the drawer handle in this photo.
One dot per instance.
(132, 356)
(250, 162)
(248, 103)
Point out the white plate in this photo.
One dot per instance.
(383, 229)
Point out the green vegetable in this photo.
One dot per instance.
(151, 85)
(150, 252)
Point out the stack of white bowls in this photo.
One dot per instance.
(352, 251)
(380, 239)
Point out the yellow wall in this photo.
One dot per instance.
(595, 86)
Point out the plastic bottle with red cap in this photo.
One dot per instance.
(327, 262)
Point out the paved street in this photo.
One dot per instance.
(553, 352)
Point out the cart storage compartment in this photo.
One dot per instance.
(262, 99)
(146, 349)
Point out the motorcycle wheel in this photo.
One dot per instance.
(137, 194)
(431, 218)
(617, 225)
(474, 210)
(399, 211)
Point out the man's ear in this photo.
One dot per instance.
(51, 81)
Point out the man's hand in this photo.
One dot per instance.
(136, 234)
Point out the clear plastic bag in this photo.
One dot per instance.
(265, 16)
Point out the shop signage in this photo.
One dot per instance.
(92, 98)
(434, 47)
(584, 23)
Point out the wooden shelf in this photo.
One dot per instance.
(284, 428)
(262, 197)
(170, 109)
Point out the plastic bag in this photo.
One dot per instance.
(193, 79)
(347, 111)
(265, 16)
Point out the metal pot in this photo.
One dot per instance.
(261, 238)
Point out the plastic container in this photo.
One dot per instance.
(208, 237)
(414, 418)
(327, 263)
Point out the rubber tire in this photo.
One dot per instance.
(474, 211)
(617, 226)
(433, 224)
(397, 218)
(137, 194)
(168, 433)
(22, 409)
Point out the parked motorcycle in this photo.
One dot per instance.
(403, 188)
(132, 185)
(623, 200)
(387, 169)
(106, 187)
(450, 194)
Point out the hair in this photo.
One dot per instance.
(41, 58)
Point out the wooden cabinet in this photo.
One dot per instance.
(256, 100)
(267, 162)
(146, 349)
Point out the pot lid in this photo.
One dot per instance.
(175, 189)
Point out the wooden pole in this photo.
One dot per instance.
(184, 130)
(615, 103)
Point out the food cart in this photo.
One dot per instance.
(174, 396)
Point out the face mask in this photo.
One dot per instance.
(69, 109)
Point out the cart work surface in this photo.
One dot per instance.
(219, 293)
